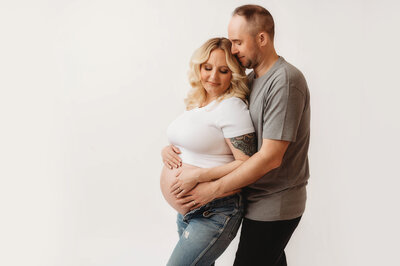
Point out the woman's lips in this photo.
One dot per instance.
(213, 83)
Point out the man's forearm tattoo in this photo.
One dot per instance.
(246, 143)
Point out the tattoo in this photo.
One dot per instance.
(246, 143)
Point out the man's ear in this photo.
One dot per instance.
(263, 39)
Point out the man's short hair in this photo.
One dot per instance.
(258, 17)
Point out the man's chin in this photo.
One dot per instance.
(247, 65)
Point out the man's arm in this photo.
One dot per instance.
(266, 159)
(242, 148)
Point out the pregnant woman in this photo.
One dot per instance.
(215, 132)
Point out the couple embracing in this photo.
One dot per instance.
(239, 150)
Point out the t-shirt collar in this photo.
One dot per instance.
(269, 72)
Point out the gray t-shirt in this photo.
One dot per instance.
(280, 110)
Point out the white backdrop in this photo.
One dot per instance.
(89, 87)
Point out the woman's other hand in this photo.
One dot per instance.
(170, 156)
(186, 180)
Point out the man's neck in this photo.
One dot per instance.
(267, 62)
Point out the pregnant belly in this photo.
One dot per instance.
(166, 180)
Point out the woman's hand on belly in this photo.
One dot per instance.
(186, 179)
(167, 180)
(170, 156)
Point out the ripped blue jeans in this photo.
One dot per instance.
(205, 233)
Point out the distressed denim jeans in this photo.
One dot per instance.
(206, 232)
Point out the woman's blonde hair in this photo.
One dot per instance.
(238, 86)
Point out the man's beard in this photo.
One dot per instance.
(249, 64)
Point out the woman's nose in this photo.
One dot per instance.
(214, 75)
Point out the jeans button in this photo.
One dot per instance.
(206, 213)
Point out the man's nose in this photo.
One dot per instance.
(233, 49)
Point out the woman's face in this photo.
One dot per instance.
(215, 75)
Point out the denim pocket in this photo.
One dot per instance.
(219, 215)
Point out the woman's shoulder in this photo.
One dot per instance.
(233, 102)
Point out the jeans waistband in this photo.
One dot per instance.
(235, 198)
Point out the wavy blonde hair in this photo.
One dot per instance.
(238, 85)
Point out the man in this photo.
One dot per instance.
(274, 178)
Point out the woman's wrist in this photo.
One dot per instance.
(201, 175)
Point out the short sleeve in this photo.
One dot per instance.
(283, 110)
(234, 118)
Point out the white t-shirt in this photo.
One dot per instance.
(200, 133)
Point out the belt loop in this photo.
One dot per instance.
(240, 203)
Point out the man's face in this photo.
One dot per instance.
(244, 45)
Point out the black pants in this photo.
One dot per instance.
(263, 243)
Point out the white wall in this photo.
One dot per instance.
(89, 87)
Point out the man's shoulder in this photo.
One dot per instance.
(290, 77)
(290, 72)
